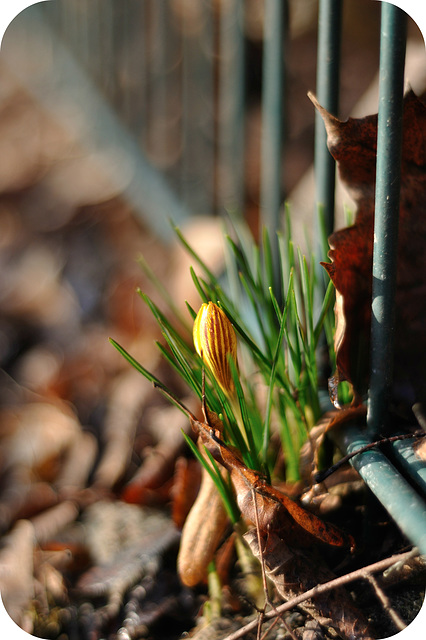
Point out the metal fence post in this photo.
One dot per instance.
(401, 500)
(230, 104)
(388, 180)
(327, 92)
(273, 117)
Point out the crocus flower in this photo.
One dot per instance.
(215, 340)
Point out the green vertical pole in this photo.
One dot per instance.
(273, 119)
(327, 92)
(388, 180)
(231, 107)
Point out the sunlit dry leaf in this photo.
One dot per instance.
(49, 570)
(38, 497)
(420, 449)
(48, 523)
(125, 402)
(31, 287)
(202, 533)
(258, 501)
(78, 463)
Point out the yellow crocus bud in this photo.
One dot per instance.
(214, 340)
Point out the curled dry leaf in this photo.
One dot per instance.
(258, 501)
(420, 449)
(332, 420)
(264, 505)
(39, 435)
(48, 523)
(27, 501)
(78, 464)
(44, 452)
(202, 533)
(49, 573)
(353, 145)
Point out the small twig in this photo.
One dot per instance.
(358, 574)
(274, 623)
(403, 570)
(320, 476)
(382, 597)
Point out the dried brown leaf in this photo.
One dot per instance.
(258, 501)
(202, 533)
(353, 145)
(294, 571)
(309, 454)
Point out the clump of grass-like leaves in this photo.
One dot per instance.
(279, 328)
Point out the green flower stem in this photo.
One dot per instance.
(213, 607)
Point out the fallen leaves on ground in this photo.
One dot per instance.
(81, 434)
(288, 533)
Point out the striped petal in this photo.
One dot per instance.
(214, 340)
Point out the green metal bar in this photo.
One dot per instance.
(398, 497)
(388, 179)
(412, 466)
(231, 107)
(327, 91)
(273, 118)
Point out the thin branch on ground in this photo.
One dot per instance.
(382, 597)
(358, 574)
(320, 476)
